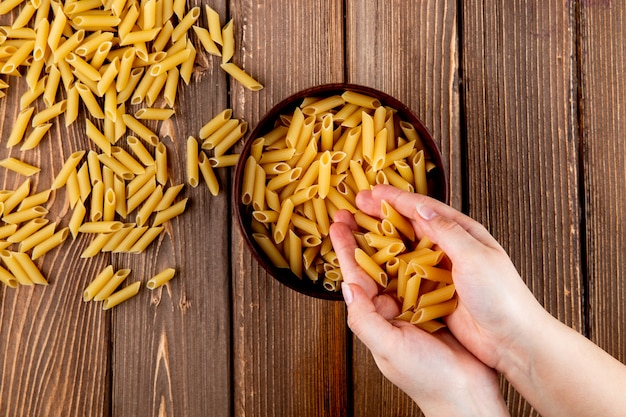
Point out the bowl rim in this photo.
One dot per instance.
(283, 275)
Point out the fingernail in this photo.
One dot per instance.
(348, 295)
(425, 212)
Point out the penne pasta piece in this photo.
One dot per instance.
(171, 86)
(433, 312)
(15, 267)
(230, 139)
(18, 166)
(145, 240)
(160, 154)
(111, 284)
(98, 283)
(52, 242)
(141, 130)
(121, 295)
(399, 221)
(131, 238)
(214, 25)
(362, 100)
(207, 173)
(17, 196)
(109, 205)
(248, 183)
(371, 267)
(130, 163)
(89, 100)
(95, 171)
(20, 126)
(270, 249)
(98, 137)
(49, 113)
(8, 278)
(169, 213)
(161, 278)
(135, 199)
(140, 151)
(154, 114)
(25, 215)
(185, 23)
(169, 195)
(18, 235)
(192, 170)
(228, 42)
(78, 215)
(206, 41)
(96, 245)
(29, 267)
(170, 62)
(214, 138)
(241, 76)
(100, 227)
(149, 206)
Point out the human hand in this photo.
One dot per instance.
(495, 308)
(434, 369)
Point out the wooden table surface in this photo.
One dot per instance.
(526, 101)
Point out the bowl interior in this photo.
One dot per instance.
(244, 212)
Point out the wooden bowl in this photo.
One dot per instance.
(437, 178)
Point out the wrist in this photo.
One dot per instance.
(474, 396)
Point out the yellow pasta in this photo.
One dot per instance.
(14, 266)
(241, 76)
(18, 235)
(141, 130)
(52, 242)
(17, 196)
(161, 278)
(130, 163)
(168, 213)
(433, 311)
(25, 215)
(97, 283)
(111, 284)
(228, 42)
(20, 126)
(192, 170)
(8, 278)
(154, 114)
(149, 205)
(140, 151)
(121, 295)
(19, 166)
(96, 245)
(207, 173)
(207, 42)
(145, 240)
(371, 267)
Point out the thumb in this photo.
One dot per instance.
(364, 321)
(450, 235)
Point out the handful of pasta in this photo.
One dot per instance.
(313, 162)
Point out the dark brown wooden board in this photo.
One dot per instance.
(289, 350)
(410, 51)
(602, 60)
(520, 95)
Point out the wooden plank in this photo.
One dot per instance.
(289, 349)
(54, 356)
(409, 51)
(603, 89)
(171, 348)
(522, 145)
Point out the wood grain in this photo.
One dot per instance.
(54, 357)
(602, 65)
(412, 54)
(522, 145)
(170, 350)
(289, 349)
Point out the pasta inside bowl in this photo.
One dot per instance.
(308, 157)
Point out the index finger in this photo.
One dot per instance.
(345, 245)
(405, 203)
